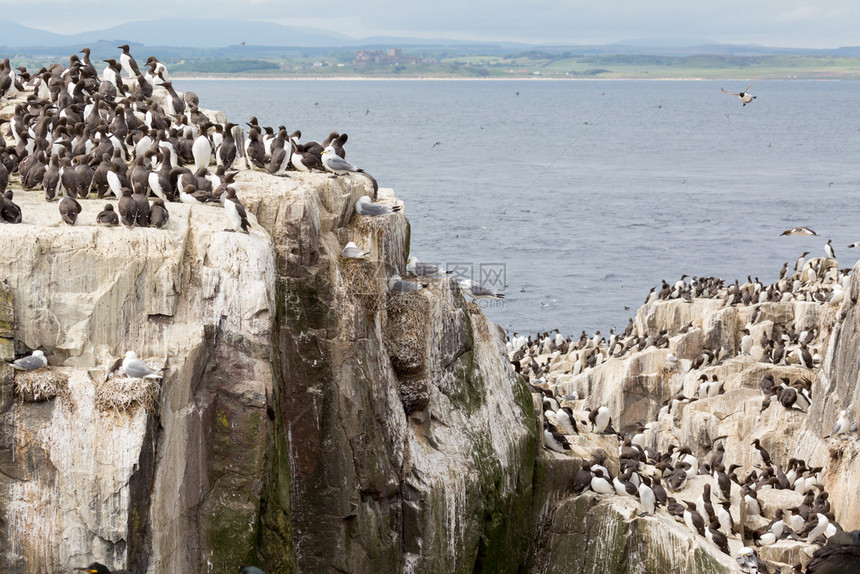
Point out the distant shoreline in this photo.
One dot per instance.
(494, 79)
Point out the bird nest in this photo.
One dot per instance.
(125, 394)
(375, 226)
(363, 282)
(40, 385)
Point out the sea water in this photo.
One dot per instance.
(576, 197)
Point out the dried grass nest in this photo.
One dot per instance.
(40, 385)
(364, 282)
(375, 226)
(125, 394)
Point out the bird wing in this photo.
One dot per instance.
(337, 163)
(729, 93)
(748, 87)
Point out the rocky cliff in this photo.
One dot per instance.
(307, 419)
(673, 343)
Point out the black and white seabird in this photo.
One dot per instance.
(693, 519)
(10, 212)
(760, 456)
(126, 60)
(828, 249)
(718, 538)
(745, 96)
(582, 478)
(69, 208)
(235, 212)
(107, 216)
(127, 208)
(158, 214)
(801, 231)
(600, 484)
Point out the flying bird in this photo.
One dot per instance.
(745, 96)
(801, 231)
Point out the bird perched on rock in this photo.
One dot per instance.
(98, 568)
(10, 212)
(477, 291)
(107, 216)
(599, 418)
(135, 368)
(335, 164)
(365, 206)
(158, 214)
(69, 208)
(398, 285)
(127, 208)
(235, 212)
(34, 361)
(828, 249)
(842, 425)
(351, 251)
(420, 269)
(749, 560)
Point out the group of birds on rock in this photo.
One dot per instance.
(657, 479)
(129, 365)
(122, 133)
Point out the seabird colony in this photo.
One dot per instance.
(551, 362)
(128, 136)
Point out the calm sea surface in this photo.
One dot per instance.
(588, 193)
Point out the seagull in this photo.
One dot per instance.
(745, 96)
(135, 368)
(365, 206)
(420, 269)
(351, 251)
(35, 361)
(398, 285)
(802, 231)
(336, 164)
(478, 291)
(841, 425)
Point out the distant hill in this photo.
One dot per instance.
(208, 33)
(235, 38)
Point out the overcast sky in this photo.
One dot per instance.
(791, 23)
